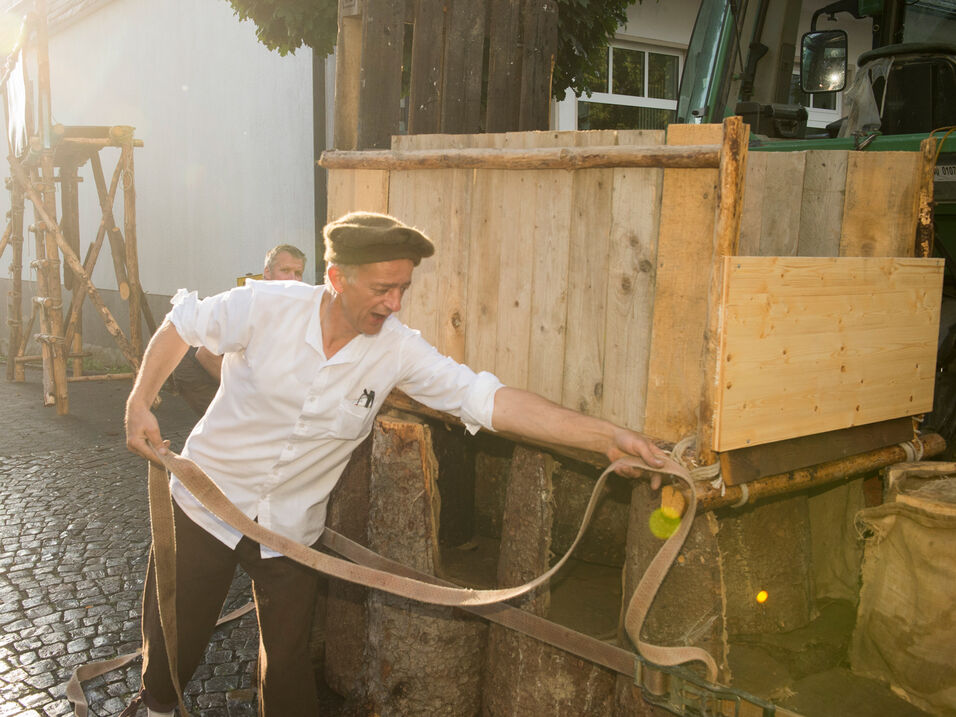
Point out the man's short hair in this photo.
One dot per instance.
(368, 237)
(294, 251)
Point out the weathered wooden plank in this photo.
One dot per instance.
(813, 345)
(516, 256)
(882, 198)
(418, 199)
(824, 194)
(504, 66)
(463, 66)
(684, 257)
(551, 267)
(591, 197)
(357, 190)
(380, 84)
(539, 26)
(773, 199)
(746, 464)
(632, 262)
(424, 94)
(486, 233)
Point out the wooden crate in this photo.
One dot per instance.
(601, 287)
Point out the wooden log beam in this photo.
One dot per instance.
(103, 377)
(708, 497)
(668, 157)
(108, 223)
(52, 236)
(132, 255)
(730, 186)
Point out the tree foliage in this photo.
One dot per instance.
(584, 29)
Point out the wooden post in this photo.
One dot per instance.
(523, 675)
(348, 66)
(924, 227)
(132, 256)
(15, 303)
(540, 42)
(108, 223)
(730, 185)
(70, 226)
(504, 66)
(380, 86)
(463, 66)
(54, 307)
(420, 659)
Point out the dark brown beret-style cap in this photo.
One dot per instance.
(367, 237)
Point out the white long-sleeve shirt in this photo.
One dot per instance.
(286, 419)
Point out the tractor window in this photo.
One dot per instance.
(920, 96)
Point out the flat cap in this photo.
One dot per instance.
(368, 237)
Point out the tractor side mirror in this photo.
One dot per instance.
(823, 61)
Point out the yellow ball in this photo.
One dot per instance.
(663, 524)
(762, 596)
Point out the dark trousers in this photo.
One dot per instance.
(284, 593)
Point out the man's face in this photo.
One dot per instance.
(374, 293)
(284, 266)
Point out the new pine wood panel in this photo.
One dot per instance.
(810, 345)
(880, 209)
(685, 256)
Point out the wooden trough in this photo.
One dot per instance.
(767, 306)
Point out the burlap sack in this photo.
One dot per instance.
(905, 632)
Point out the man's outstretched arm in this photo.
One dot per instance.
(532, 416)
(162, 355)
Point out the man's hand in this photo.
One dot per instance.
(630, 443)
(142, 432)
(164, 351)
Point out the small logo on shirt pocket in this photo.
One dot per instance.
(367, 399)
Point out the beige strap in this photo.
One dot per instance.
(204, 490)
(374, 571)
(74, 687)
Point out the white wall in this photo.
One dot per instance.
(226, 169)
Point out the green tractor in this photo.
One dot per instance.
(740, 61)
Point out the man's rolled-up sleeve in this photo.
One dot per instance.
(445, 385)
(221, 322)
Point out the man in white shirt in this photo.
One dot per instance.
(306, 369)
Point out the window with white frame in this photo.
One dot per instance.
(636, 88)
(822, 107)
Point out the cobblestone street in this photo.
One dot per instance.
(74, 536)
